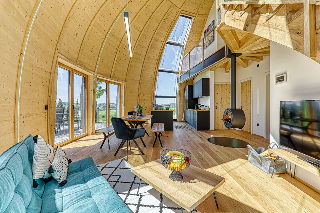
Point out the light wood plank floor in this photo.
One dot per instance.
(246, 189)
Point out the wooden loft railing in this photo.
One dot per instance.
(217, 58)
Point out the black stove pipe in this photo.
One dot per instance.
(232, 117)
(233, 80)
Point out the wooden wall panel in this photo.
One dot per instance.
(77, 24)
(98, 30)
(222, 101)
(246, 103)
(37, 67)
(12, 34)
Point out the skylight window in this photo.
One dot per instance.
(170, 66)
(181, 30)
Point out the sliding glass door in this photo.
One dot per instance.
(62, 124)
(101, 105)
(71, 105)
(107, 103)
(80, 105)
(114, 101)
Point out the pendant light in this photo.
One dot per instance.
(126, 23)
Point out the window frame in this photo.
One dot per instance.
(108, 101)
(71, 103)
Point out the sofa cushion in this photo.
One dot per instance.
(42, 158)
(85, 191)
(60, 165)
(16, 192)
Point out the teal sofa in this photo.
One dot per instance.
(86, 189)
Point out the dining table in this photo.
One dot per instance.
(135, 121)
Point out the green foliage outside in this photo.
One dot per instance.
(103, 117)
(99, 90)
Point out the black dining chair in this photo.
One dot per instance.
(126, 134)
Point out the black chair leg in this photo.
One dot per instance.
(104, 140)
(156, 134)
(138, 147)
(127, 151)
(121, 144)
(143, 142)
(159, 138)
(215, 199)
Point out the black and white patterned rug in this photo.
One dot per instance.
(137, 194)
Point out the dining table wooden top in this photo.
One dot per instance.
(138, 118)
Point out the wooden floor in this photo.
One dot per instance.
(246, 189)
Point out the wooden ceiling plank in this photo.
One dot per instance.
(275, 11)
(257, 11)
(253, 58)
(295, 15)
(310, 29)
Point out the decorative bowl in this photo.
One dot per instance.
(175, 160)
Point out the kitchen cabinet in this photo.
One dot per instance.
(190, 102)
(201, 88)
(198, 119)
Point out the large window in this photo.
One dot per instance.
(107, 103)
(71, 105)
(170, 66)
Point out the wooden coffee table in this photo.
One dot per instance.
(199, 184)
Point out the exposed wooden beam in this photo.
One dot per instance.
(265, 49)
(295, 15)
(245, 9)
(249, 40)
(275, 11)
(310, 29)
(242, 62)
(263, 6)
(266, 53)
(253, 58)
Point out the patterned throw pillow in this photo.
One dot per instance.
(59, 166)
(42, 158)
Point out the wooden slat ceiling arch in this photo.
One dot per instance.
(77, 31)
(151, 22)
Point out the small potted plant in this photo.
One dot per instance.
(140, 109)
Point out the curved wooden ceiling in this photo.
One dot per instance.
(91, 35)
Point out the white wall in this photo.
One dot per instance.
(218, 41)
(257, 75)
(303, 83)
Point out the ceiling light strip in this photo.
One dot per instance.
(126, 23)
(21, 69)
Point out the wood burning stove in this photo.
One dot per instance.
(232, 117)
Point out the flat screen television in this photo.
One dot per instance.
(300, 126)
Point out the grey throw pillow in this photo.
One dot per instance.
(60, 166)
(42, 158)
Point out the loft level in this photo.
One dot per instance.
(215, 59)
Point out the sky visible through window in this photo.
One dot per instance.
(171, 60)
(63, 85)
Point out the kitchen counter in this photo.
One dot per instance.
(199, 110)
(160, 110)
(163, 116)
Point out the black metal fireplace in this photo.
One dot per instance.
(232, 117)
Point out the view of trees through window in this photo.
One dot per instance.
(102, 112)
(170, 66)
